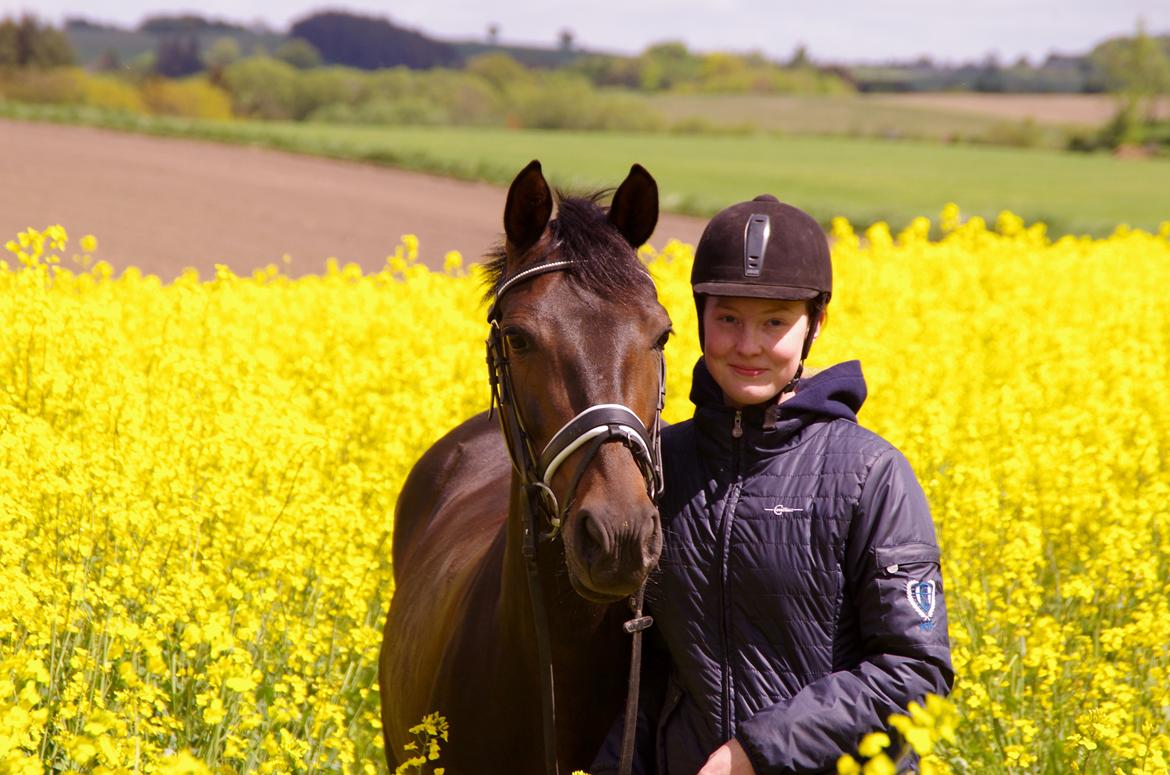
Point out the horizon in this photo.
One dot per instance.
(830, 35)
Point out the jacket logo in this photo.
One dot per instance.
(778, 510)
(921, 595)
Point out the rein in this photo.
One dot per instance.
(597, 425)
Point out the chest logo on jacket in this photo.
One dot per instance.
(921, 595)
(782, 510)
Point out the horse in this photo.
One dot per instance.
(575, 342)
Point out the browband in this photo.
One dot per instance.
(525, 274)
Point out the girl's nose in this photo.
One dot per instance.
(745, 343)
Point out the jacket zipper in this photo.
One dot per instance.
(725, 538)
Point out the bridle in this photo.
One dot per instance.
(597, 425)
(592, 428)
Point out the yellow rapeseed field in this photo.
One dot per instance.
(197, 482)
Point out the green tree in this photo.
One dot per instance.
(222, 52)
(299, 53)
(800, 57)
(262, 87)
(177, 55)
(1137, 70)
(26, 42)
(500, 70)
(665, 65)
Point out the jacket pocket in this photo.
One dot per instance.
(889, 558)
(909, 581)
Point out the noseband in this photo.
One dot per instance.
(598, 425)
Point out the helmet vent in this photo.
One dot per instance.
(755, 244)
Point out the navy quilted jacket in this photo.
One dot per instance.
(799, 600)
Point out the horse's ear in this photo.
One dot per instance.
(528, 208)
(635, 206)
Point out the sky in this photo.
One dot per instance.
(832, 30)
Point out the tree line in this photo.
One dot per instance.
(344, 67)
(188, 44)
(27, 42)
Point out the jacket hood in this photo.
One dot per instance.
(834, 393)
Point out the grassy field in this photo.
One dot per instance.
(862, 179)
(968, 117)
(881, 116)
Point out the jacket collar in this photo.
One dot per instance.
(834, 393)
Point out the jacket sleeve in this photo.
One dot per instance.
(655, 669)
(892, 572)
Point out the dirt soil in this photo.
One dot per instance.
(164, 204)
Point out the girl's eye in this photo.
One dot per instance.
(726, 318)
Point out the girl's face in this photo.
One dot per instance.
(753, 346)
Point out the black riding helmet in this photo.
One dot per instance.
(764, 249)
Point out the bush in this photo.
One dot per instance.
(58, 86)
(112, 93)
(396, 96)
(468, 99)
(1014, 134)
(189, 98)
(731, 74)
(569, 102)
(263, 87)
(1158, 133)
(499, 70)
(330, 87)
(407, 111)
(1123, 129)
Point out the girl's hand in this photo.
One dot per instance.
(728, 759)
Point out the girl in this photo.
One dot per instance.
(798, 600)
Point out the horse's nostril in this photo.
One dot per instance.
(596, 538)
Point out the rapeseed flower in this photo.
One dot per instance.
(197, 482)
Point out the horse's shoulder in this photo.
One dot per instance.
(469, 459)
(474, 438)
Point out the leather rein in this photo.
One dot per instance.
(598, 425)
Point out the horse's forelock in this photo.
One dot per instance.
(603, 262)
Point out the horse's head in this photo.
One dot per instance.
(580, 332)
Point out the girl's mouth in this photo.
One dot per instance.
(745, 371)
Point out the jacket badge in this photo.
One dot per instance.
(779, 510)
(921, 595)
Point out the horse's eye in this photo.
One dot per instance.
(662, 340)
(517, 342)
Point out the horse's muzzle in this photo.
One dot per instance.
(612, 552)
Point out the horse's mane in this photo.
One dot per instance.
(603, 261)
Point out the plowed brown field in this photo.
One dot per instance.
(163, 204)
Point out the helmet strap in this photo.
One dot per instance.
(792, 383)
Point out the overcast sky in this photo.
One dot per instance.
(835, 30)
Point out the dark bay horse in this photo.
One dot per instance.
(579, 326)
